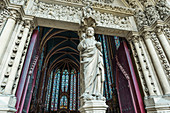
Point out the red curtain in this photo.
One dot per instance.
(129, 96)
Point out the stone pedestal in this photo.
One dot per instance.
(158, 104)
(94, 106)
(7, 104)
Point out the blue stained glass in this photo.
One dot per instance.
(74, 96)
(107, 96)
(57, 89)
(63, 82)
(107, 64)
(71, 90)
(117, 42)
(66, 83)
(48, 91)
(78, 90)
(63, 102)
(64, 88)
(54, 92)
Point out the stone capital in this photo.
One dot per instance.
(27, 23)
(159, 29)
(14, 14)
(146, 35)
(135, 38)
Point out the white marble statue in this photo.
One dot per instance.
(92, 66)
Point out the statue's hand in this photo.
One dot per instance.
(98, 45)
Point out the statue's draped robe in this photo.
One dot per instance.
(92, 67)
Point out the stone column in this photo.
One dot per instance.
(157, 64)
(16, 62)
(152, 74)
(138, 66)
(164, 42)
(6, 33)
(144, 66)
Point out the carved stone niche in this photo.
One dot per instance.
(88, 17)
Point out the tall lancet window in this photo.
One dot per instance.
(65, 79)
(63, 83)
(55, 93)
(48, 91)
(108, 70)
(57, 89)
(63, 102)
(73, 90)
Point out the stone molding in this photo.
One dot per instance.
(108, 15)
(6, 71)
(75, 15)
(145, 71)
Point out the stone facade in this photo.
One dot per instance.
(144, 23)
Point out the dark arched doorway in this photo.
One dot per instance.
(57, 82)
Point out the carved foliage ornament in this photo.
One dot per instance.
(151, 13)
(163, 9)
(141, 19)
(75, 15)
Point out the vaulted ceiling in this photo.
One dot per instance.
(60, 48)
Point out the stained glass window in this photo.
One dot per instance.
(48, 91)
(108, 71)
(54, 92)
(63, 81)
(71, 89)
(66, 81)
(39, 72)
(117, 42)
(63, 102)
(74, 93)
(57, 91)
(78, 89)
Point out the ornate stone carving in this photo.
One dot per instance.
(138, 64)
(13, 58)
(19, 70)
(10, 64)
(75, 15)
(161, 54)
(132, 3)
(163, 9)
(19, 2)
(151, 13)
(58, 12)
(166, 31)
(141, 19)
(89, 17)
(92, 70)
(110, 7)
